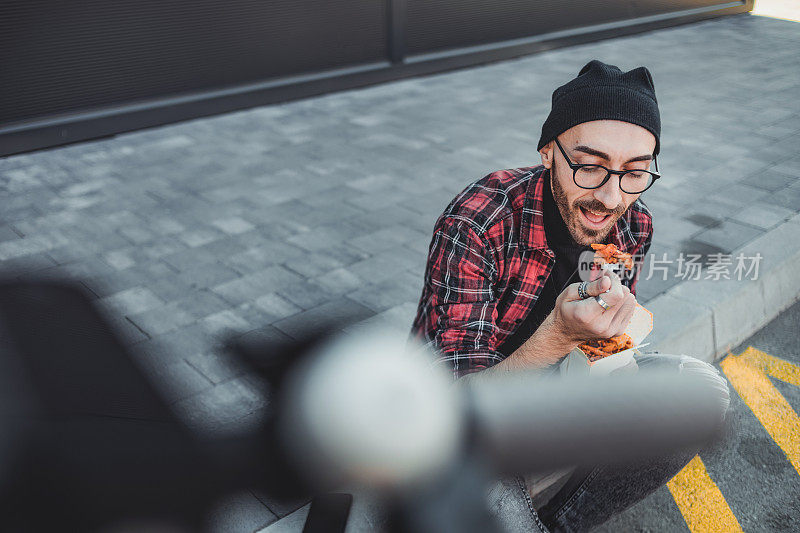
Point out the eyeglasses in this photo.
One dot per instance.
(595, 176)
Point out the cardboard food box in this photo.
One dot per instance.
(577, 363)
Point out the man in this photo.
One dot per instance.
(502, 289)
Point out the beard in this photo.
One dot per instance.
(572, 215)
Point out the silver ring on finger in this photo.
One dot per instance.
(582, 290)
(602, 303)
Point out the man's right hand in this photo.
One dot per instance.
(578, 320)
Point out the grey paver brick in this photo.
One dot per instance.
(161, 246)
(703, 221)
(788, 197)
(226, 323)
(207, 275)
(326, 258)
(169, 286)
(254, 259)
(86, 268)
(165, 226)
(659, 272)
(384, 295)
(233, 225)
(161, 319)
(729, 235)
(264, 335)
(216, 410)
(216, 366)
(223, 247)
(770, 179)
(175, 380)
(182, 341)
(127, 331)
(374, 201)
(200, 236)
(131, 301)
(276, 306)
(249, 287)
(305, 294)
(744, 194)
(383, 239)
(674, 230)
(339, 281)
(147, 273)
(397, 318)
(763, 215)
(7, 233)
(29, 264)
(318, 238)
(31, 245)
(790, 167)
(119, 259)
(201, 303)
(719, 208)
(189, 258)
(337, 313)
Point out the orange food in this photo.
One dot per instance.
(609, 253)
(600, 348)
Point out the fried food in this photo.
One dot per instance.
(609, 253)
(600, 348)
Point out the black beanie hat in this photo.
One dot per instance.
(604, 92)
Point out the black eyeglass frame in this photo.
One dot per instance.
(575, 167)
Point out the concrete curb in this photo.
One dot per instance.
(706, 318)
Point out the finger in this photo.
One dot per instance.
(592, 289)
(599, 286)
(602, 284)
(593, 315)
(615, 295)
(600, 319)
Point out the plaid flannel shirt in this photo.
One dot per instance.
(488, 261)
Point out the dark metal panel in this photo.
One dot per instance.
(438, 24)
(442, 24)
(64, 56)
(397, 30)
(654, 7)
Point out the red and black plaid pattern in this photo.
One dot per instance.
(488, 261)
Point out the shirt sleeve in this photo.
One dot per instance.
(638, 256)
(463, 277)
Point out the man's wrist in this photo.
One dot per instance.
(557, 338)
(548, 345)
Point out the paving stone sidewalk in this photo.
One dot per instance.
(261, 222)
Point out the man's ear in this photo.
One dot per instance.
(547, 154)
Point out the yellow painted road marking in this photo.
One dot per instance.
(699, 499)
(777, 368)
(701, 503)
(748, 375)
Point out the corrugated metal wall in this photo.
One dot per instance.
(64, 56)
(74, 70)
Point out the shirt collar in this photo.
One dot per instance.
(532, 235)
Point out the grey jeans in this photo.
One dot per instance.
(591, 496)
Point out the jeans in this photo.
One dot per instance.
(593, 495)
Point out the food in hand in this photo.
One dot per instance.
(610, 254)
(600, 348)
